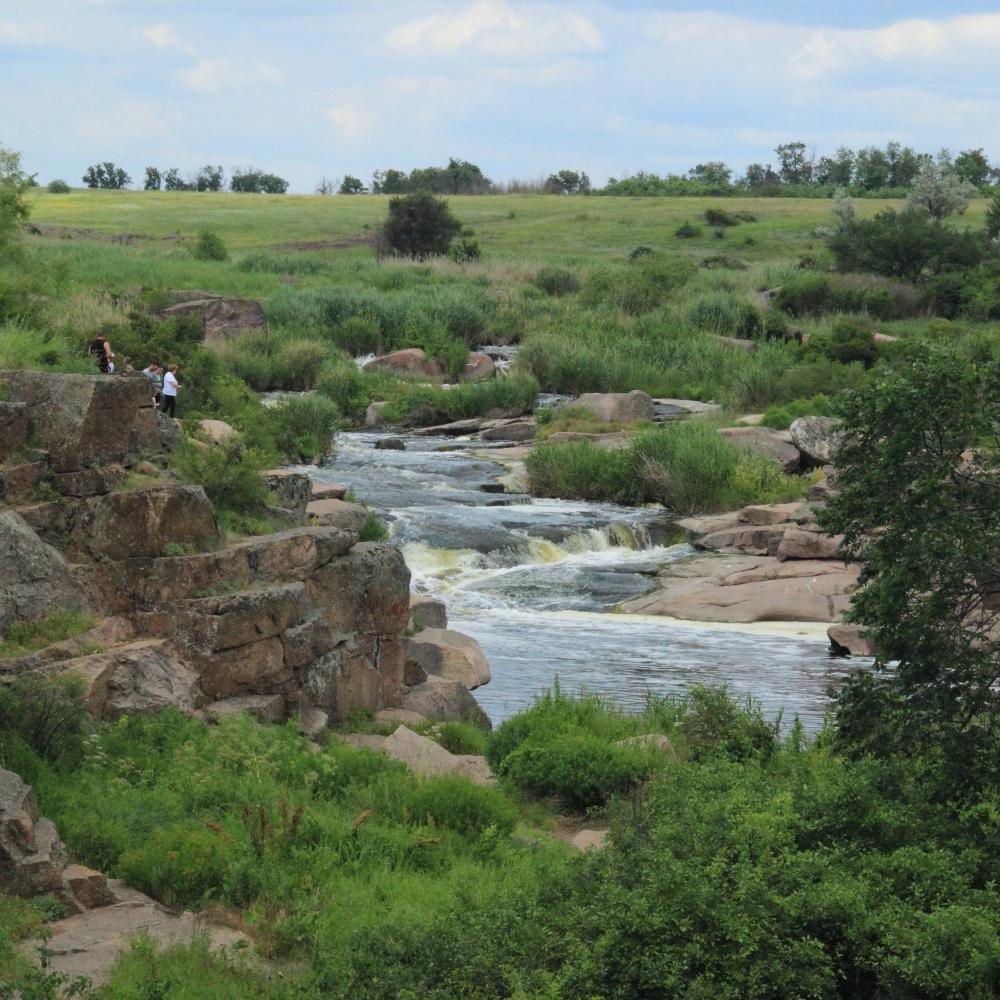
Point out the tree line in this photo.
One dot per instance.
(109, 176)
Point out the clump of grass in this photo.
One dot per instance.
(424, 405)
(22, 638)
(781, 417)
(557, 281)
(726, 314)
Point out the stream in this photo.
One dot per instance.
(533, 581)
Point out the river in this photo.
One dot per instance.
(533, 581)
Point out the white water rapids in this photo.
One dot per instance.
(533, 581)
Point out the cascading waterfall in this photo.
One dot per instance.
(536, 581)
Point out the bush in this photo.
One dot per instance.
(58, 187)
(303, 427)
(580, 470)
(457, 804)
(45, 715)
(209, 246)
(230, 473)
(464, 251)
(578, 769)
(781, 417)
(557, 281)
(421, 405)
(719, 217)
(419, 225)
(851, 339)
(687, 231)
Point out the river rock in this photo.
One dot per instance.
(262, 707)
(510, 430)
(34, 578)
(221, 316)
(455, 428)
(773, 444)
(443, 653)
(292, 490)
(32, 856)
(373, 415)
(445, 700)
(750, 589)
(771, 513)
(338, 514)
(618, 407)
(478, 368)
(797, 543)
(850, 640)
(427, 612)
(410, 361)
(817, 438)
(18, 482)
(429, 759)
(390, 444)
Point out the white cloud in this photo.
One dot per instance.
(163, 35)
(494, 27)
(221, 73)
(350, 121)
(29, 33)
(127, 120)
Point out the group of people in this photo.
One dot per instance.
(165, 386)
(163, 378)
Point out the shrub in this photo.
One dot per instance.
(457, 804)
(719, 217)
(851, 339)
(464, 251)
(579, 769)
(580, 470)
(557, 281)
(422, 405)
(58, 187)
(687, 231)
(230, 473)
(303, 427)
(781, 417)
(46, 715)
(419, 225)
(209, 246)
(283, 264)
(373, 530)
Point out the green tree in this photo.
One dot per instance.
(14, 209)
(993, 216)
(106, 175)
(919, 478)
(794, 165)
(153, 181)
(973, 166)
(351, 185)
(209, 178)
(938, 190)
(419, 225)
(714, 174)
(837, 169)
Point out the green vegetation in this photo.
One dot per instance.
(22, 638)
(687, 466)
(742, 860)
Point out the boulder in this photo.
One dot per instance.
(222, 316)
(478, 368)
(618, 407)
(88, 887)
(32, 856)
(443, 653)
(770, 513)
(510, 430)
(850, 640)
(328, 491)
(18, 482)
(13, 427)
(142, 676)
(428, 759)
(128, 525)
(95, 481)
(212, 624)
(390, 444)
(216, 431)
(590, 840)
(169, 432)
(338, 514)
(455, 428)
(293, 492)
(759, 540)
(445, 700)
(85, 420)
(797, 543)
(373, 415)
(773, 444)
(410, 361)
(34, 578)
(427, 612)
(817, 438)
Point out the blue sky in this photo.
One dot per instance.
(314, 88)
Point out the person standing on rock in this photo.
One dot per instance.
(154, 372)
(170, 387)
(100, 347)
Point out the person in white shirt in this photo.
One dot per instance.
(170, 387)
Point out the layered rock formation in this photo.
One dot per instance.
(307, 621)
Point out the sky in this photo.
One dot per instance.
(322, 88)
